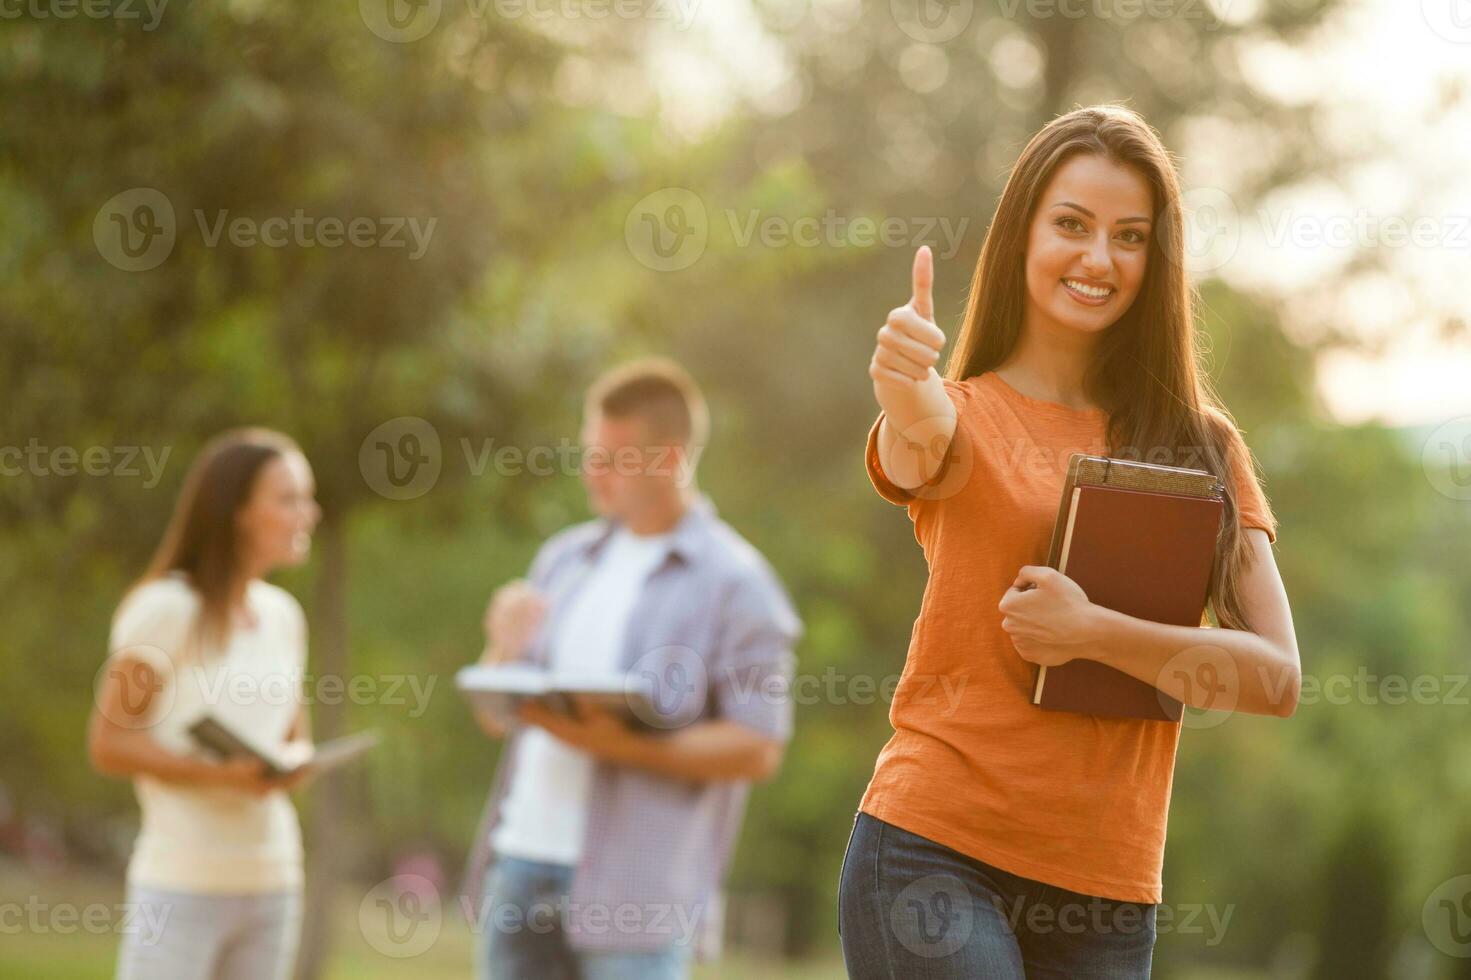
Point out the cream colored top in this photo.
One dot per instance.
(215, 839)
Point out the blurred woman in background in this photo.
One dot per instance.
(217, 866)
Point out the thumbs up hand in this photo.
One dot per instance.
(919, 416)
(909, 343)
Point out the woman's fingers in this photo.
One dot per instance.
(909, 343)
(923, 273)
(908, 323)
(888, 376)
(912, 370)
(905, 346)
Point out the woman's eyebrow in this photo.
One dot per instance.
(1121, 221)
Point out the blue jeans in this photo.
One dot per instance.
(909, 907)
(524, 936)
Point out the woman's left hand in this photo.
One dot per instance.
(299, 751)
(298, 778)
(1048, 616)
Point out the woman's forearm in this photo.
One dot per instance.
(919, 423)
(127, 754)
(1203, 667)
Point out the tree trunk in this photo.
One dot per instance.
(324, 800)
(1059, 37)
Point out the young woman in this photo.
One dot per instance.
(997, 839)
(216, 873)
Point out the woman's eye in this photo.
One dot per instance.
(1070, 224)
(1138, 238)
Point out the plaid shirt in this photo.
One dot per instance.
(712, 630)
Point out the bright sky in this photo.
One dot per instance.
(1399, 73)
(1393, 76)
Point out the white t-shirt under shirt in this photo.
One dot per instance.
(215, 839)
(545, 811)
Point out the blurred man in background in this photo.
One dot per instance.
(603, 847)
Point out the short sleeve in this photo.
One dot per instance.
(953, 471)
(541, 563)
(1252, 507)
(153, 624)
(754, 662)
(545, 563)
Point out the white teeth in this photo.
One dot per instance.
(1092, 291)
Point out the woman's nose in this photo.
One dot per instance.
(1096, 259)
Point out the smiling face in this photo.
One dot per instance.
(1087, 245)
(277, 521)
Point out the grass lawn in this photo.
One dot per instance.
(62, 950)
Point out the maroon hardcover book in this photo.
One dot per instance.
(1144, 553)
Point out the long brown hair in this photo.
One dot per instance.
(1161, 406)
(201, 539)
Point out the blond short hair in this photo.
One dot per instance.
(660, 392)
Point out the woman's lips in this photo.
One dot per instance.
(1086, 299)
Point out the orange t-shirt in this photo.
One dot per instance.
(1076, 801)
